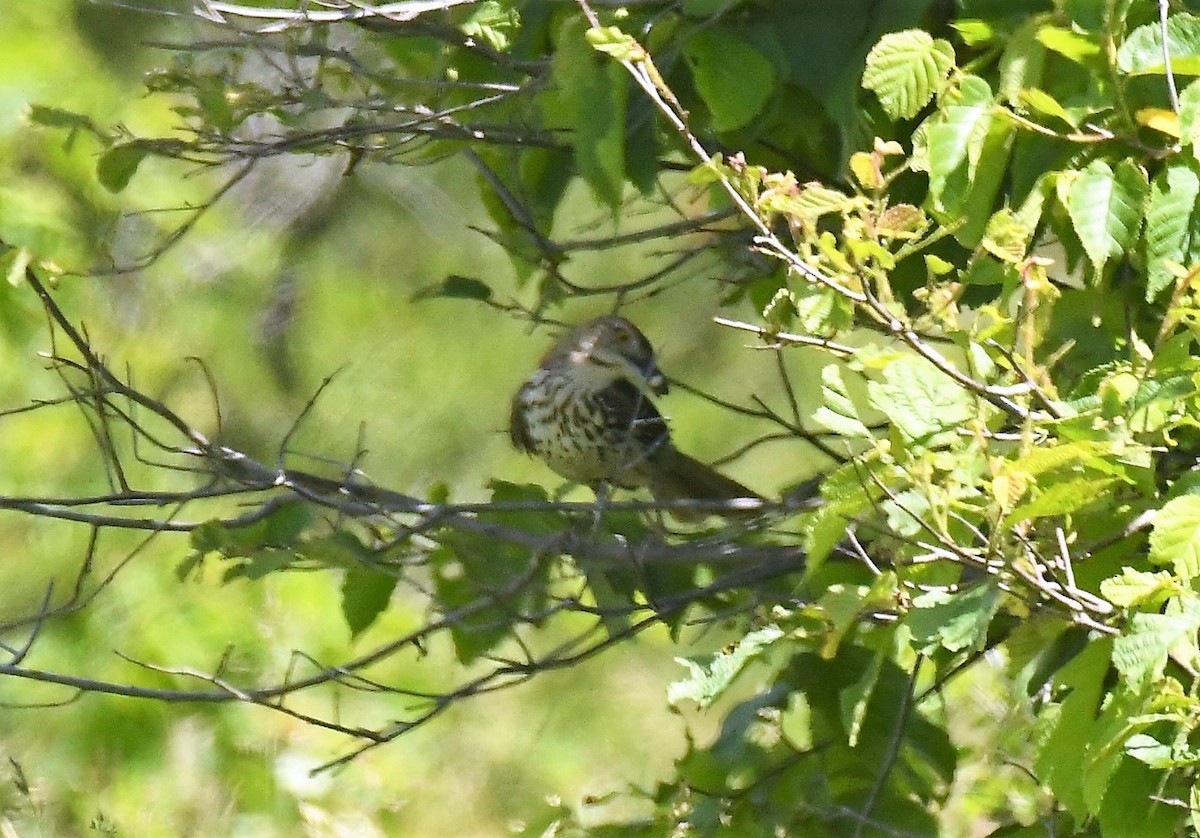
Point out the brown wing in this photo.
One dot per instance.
(628, 411)
(518, 430)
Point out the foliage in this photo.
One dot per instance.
(978, 225)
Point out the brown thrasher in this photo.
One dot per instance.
(586, 411)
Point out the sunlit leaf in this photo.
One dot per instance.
(920, 400)
(1140, 655)
(838, 412)
(1105, 206)
(956, 622)
(1172, 224)
(710, 678)
(1175, 539)
(906, 69)
(1143, 51)
(1138, 587)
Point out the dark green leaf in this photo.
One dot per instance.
(456, 287)
(366, 593)
(118, 165)
(733, 78)
(590, 101)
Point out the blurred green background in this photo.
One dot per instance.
(299, 273)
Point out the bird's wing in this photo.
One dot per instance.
(626, 407)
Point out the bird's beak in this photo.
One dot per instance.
(655, 380)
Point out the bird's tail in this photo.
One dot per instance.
(674, 476)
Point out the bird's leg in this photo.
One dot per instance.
(603, 488)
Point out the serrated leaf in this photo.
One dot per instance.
(1135, 588)
(708, 679)
(1063, 457)
(366, 593)
(838, 413)
(919, 400)
(1140, 655)
(1062, 498)
(1172, 224)
(906, 69)
(1175, 539)
(1143, 51)
(733, 78)
(1039, 100)
(1187, 121)
(1105, 207)
(119, 164)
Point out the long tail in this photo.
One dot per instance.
(673, 475)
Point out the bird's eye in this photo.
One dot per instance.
(623, 335)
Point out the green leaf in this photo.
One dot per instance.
(1172, 223)
(1022, 61)
(117, 165)
(366, 593)
(838, 413)
(1134, 588)
(919, 400)
(906, 69)
(1007, 237)
(1132, 808)
(733, 78)
(1140, 655)
(590, 100)
(953, 621)
(1076, 46)
(1062, 748)
(1189, 117)
(854, 699)
(60, 118)
(493, 24)
(708, 680)
(1062, 498)
(455, 287)
(1105, 207)
(1175, 539)
(611, 41)
(1149, 750)
(959, 126)
(1143, 52)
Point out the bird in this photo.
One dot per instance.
(587, 412)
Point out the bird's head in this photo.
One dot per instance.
(613, 343)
